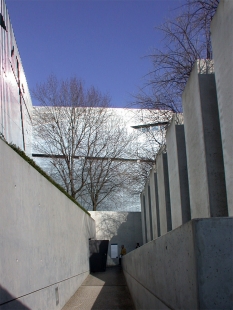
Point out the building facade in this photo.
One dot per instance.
(15, 100)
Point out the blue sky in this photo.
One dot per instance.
(103, 42)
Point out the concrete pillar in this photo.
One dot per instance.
(203, 144)
(153, 204)
(157, 205)
(178, 175)
(150, 211)
(163, 193)
(222, 41)
(147, 211)
(142, 197)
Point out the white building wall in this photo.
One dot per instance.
(15, 100)
(121, 228)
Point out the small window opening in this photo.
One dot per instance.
(2, 22)
(12, 51)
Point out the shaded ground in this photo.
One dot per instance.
(102, 290)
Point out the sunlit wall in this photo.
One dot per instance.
(15, 100)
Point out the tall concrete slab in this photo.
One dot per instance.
(143, 217)
(178, 174)
(157, 204)
(163, 193)
(147, 212)
(153, 204)
(203, 144)
(222, 41)
(150, 211)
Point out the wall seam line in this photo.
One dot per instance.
(149, 291)
(42, 288)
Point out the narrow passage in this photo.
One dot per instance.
(102, 290)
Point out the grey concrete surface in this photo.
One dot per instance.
(119, 228)
(203, 144)
(147, 212)
(157, 204)
(102, 290)
(44, 238)
(163, 193)
(187, 268)
(222, 41)
(178, 175)
(143, 218)
(154, 220)
(150, 211)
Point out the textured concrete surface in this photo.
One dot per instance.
(102, 290)
(163, 193)
(143, 217)
(150, 211)
(44, 238)
(157, 204)
(187, 268)
(222, 41)
(203, 144)
(119, 228)
(178, 174)
(147, 212)
(154, 219)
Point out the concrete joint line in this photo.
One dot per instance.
(43, 288)
(150, 291)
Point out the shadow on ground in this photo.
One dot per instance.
(9, 302)
(102, 290)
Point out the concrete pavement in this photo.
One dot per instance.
(102, 290)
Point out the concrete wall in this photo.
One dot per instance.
(157, 205)
(178, 175)
(119, 228)
(143, 217)
(163, 193)
(222, 41)
(154, 220)
(44, 238)
(147, 211)
(203, 144)
(188, 268)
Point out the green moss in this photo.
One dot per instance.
(34, 165)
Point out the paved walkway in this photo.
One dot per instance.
(102, 290)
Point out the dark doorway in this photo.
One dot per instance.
(98, 255)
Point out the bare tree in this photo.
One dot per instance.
(85, 143)
(186, 38)
(107, 174)
(66, 128)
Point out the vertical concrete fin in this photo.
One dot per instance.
(213, 146)
(157, 204)
(150, 213)
(222, 42)
(145, 225)
(167, 193)
(183, 174)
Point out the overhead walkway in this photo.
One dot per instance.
(102, 290)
